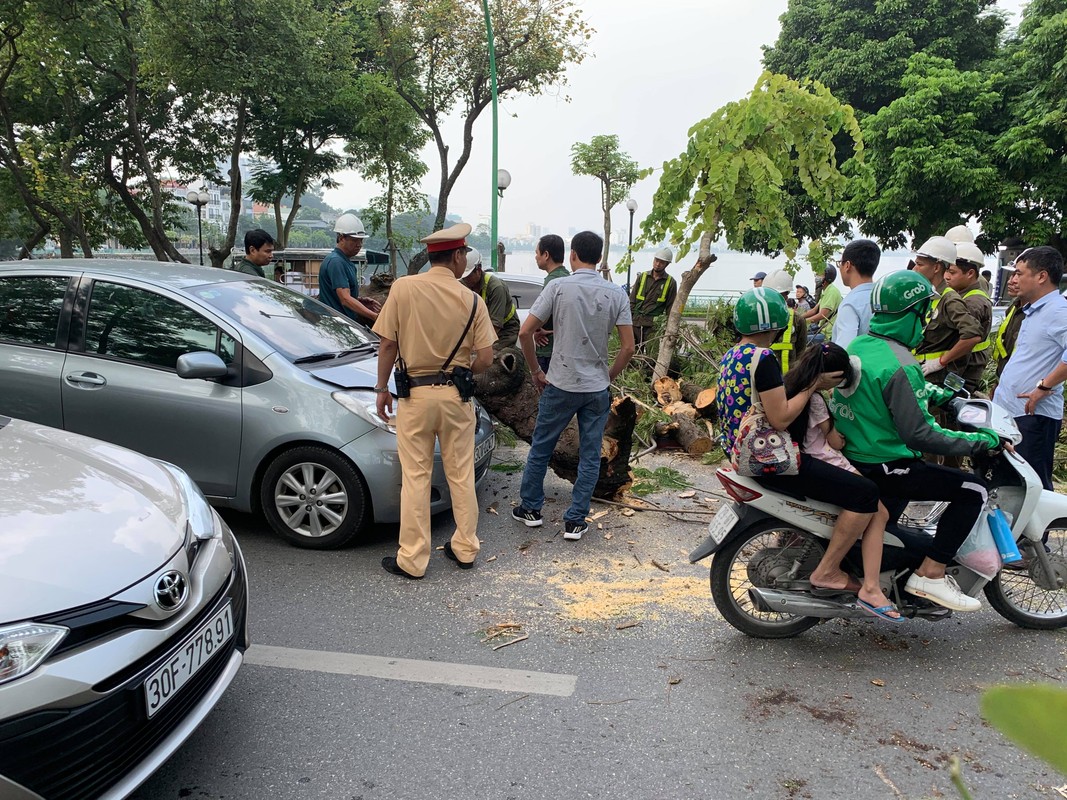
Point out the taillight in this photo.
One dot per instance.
(742, 494)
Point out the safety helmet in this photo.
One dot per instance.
(664, 254)
(939, 248)
(829, 274)
(959, 234)
(900, 291)
(968, 251)
(474, 260)
(760, 310)
(350, 225)
(779, 280)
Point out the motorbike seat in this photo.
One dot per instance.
(779, 490)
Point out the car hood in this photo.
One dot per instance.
(79, 519)
(362, 374)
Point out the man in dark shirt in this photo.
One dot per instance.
(497, 298)
(338, 280)
(259, 251)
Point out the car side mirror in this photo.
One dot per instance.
(201, 365)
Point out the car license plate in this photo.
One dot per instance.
(197, 650)
(722, 523)
(485, 448)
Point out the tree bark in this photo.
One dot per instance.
(691, 435)
(508, 393)
(605, 202)
(669, 342)
(220, 254)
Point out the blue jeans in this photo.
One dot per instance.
(554, 413)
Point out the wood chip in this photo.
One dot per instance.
(608, 535)
(660, 566)
(492, 509)
(600, 526)
(576, 629)
(878, 682)
(624, 625)
(526, 545)
(628, 512)
(687, 495)
(600, 514)
(491, 558)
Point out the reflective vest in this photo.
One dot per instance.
(641, 288)
(485, 291)
(999, 350)
(921, 357)
(978, 348)
(784, 347)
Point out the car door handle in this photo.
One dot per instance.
(90, 378)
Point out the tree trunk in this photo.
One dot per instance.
(26, 250)
(507, 392)
(220, 254)
(669, 341)
(691, 434)
(690, 391)
(705, 404)
(390, 181)
(66, 243)
(279, 227)
(606, 205)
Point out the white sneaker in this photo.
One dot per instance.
(943, 591)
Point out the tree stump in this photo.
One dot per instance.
(705, 404)
(508, 393)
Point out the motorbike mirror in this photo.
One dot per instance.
(953, 382)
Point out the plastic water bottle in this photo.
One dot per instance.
(1002, 535)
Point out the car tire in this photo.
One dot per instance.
(314, 498)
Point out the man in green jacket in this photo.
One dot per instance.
(652, 296)
(886, 422)
(497, 298)
(259, 251)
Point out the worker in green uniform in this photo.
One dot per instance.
(259, 251)
(652, 295)
(963, 277)
(497, 298)
(1008, 332)
(794, 338)
(952, 332)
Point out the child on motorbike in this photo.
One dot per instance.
(814, 431)
(759, 316)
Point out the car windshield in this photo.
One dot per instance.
(299, 327)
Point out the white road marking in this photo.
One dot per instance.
(404, 669)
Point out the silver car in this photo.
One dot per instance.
(122, 614)
(263, 395)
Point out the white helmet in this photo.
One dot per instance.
(939, 248)
(968, 251)
(474, 259)
(960, 233)
(664, 254)
(350, 225)
(779, 280)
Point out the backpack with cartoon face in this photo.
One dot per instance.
(760, 449)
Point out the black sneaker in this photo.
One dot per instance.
(574, 530)
(531, 519)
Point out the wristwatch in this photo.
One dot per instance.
(383, 390)
(1043, 388)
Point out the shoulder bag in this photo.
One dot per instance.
(759, 449)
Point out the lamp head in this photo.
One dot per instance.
(631, 205)
(503, 180)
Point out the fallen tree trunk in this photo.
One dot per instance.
(705, 404)
(508, 393)
(690, 391)
(692, 435)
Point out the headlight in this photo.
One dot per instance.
(201, 524)
(365, 406)
(25, 647)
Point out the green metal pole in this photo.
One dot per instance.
(492, 83)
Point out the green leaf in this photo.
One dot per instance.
(1034, 717)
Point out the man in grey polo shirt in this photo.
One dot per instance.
(584, 308)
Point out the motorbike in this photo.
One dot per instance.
(765, 544)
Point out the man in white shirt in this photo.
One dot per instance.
(859, 260)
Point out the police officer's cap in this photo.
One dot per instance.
(452, 238)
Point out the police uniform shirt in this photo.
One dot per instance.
(981, 309)
(426, 313)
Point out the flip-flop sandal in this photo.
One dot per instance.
(852, 587)
(882, 612)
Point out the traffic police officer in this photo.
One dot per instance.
(652, 296)
(497, 299)
(421, 322)
(952, 331)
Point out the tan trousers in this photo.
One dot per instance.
(435, 412)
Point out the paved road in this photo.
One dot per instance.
(362, 685)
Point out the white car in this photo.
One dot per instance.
(122, 614)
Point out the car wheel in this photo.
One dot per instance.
(314, 498)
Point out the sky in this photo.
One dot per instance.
(652, 71)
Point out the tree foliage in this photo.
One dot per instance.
(735, 175)
(602, 159)
(436, 55)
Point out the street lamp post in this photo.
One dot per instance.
(631, 206)
(198, 199)
(493, 95)
(503, 181)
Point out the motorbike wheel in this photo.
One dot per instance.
(1024, 595)
(749, 561)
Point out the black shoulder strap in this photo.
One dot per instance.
(462, 336)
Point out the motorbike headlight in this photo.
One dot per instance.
(24, 647)
(201, 522)
(364, 405)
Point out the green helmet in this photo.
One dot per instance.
(899, 291)
(760, 310)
